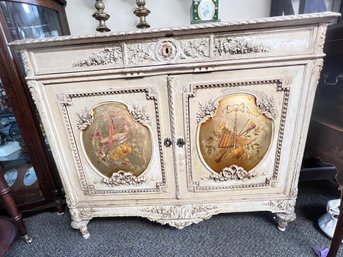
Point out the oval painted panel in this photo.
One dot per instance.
(238, 134)
(116, 142)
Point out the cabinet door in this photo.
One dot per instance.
(109, 137)
(238, 128)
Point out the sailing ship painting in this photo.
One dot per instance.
(115, 142)
(237, 134)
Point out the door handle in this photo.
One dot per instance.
(180, 142)
(167, 142)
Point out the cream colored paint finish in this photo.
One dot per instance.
(179, 82)
(164, 13)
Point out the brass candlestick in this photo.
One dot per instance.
(141, 12)
(101, 16)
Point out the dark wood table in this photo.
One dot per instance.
(8, 234)
(6, 231)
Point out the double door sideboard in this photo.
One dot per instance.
(177, 125)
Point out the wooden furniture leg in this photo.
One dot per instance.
(338, 235)
(12, 209)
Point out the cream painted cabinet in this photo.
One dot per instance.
(177, 125)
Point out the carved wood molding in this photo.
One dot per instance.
(65, 100)
(179, 216)
(233, 172)
(240, 45)
(104, 57)
(199, 28)
(266, 105)
(123, 178)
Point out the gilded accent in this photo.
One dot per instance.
(116, 140)
(89, 189)
(237, 135)
(281, 86)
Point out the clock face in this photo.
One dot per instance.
(206, 10)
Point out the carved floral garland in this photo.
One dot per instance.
(266, 106)
(237, 46)
(206, 110)
(84, 120)
(104, 57)
(233, 172)
(123, 178)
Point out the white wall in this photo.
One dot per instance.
(164, 13)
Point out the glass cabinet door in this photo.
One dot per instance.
(25, 21)
(27, 169)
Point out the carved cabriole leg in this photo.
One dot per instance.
(80, 217)
(289, 214)
(82, 226)
(284, 218)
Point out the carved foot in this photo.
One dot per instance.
(27, 239)
(283, 219)
(82, 226)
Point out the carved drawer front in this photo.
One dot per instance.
(197, 48)
(115, 133)
(234, 129)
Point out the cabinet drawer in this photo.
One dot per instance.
(210, 47)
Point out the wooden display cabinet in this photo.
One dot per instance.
(24, 149)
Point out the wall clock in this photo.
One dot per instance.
(204, 11)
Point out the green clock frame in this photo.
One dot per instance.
(195, 18)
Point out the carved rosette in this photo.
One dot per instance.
(84, 119)
(139, 115)
(123, 178)
(266, 106)
(167, 50)
(179, 216)
(233, 172)
(233, 46)
(86, 212)
(206, 111)
(104, 57)
(278, 204)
